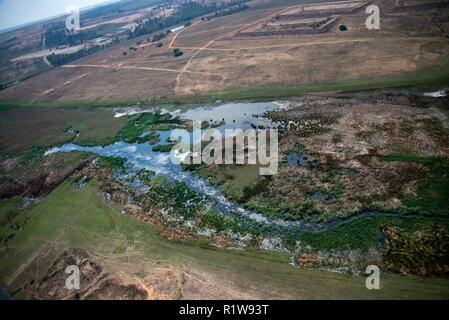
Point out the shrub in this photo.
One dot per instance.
(164, 148)
(112, 162)
(177, 52)
(337, 138)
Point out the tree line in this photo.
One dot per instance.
(186, 11)
(61, 59)
(227, 12)
(54, 38)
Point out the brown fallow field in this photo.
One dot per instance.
(215, 60)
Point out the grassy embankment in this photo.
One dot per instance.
(422, 80)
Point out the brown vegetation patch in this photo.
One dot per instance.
(308, 260)
(132, 209)
(423, 252)
(221, 240)
(119, 197)
(95, 172)
(176, 234)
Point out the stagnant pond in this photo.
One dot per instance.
(236, 116)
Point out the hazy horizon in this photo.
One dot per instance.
(15, 13)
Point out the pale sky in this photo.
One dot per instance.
(18, 12)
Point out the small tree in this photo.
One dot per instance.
(343, 27)
(177, 52)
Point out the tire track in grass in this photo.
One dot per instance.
(111, 220)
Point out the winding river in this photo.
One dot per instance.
(235, 115)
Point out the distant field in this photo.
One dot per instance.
(214, 60)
